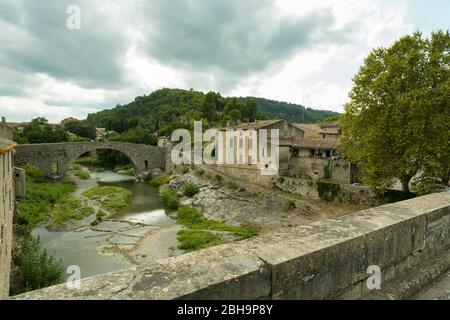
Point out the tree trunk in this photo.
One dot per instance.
(405, 184)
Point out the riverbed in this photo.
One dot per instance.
(139, 234)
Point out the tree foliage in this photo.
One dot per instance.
(40, 131)
(81, 129)
(397, 123)
(167, 109)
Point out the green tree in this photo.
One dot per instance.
(209, 106)
(82, 129)
(397, 123)
(40, 131)
(250, 110)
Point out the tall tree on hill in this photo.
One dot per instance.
(398, 121)
(209, 106)
(250, 110)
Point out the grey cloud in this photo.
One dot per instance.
(230, 38)
(39, 42)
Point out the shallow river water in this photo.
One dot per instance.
(82, 247)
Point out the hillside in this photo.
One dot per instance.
(289, 111)
(167, 109)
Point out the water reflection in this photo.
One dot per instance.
(81, 247)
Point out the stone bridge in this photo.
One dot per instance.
(55, 158)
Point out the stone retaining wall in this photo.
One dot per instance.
(7, 197)
(326, 259)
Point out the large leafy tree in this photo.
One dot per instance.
(397, 123)
(40, 131)
(82, 129)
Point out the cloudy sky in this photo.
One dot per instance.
(287, 50)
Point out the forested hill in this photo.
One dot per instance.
(167, 109)
(289, 111)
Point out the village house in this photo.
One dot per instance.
(307, 151)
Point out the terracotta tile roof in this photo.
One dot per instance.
(254, 125)
(320, 144)
(308, 127)
(332, 124)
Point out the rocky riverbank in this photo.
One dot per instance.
(238, 203)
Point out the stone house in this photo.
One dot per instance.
(7, 199)
(245, 145)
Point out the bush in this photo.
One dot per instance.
(290, 205)
(33, 172)
(191, 189)
(83, 175)
(193, 219)
(159, 181)
(196, 240)
(34, 267)
(171, 200)
(426, 185)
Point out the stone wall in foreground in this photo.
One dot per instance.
(7, 199)
(326, 259)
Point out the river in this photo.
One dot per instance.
(139, 234)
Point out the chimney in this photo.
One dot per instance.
(248, 120)
(228, 123)
(3, 120)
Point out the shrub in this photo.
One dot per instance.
(193, 219)
(83, 175)
(426, 185)
(171, 200)
(290, 205)
(34, 267)
(33, 172)
(195, 240)
(191, 189)
(189, 216)
(159, 181)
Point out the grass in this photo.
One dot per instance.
(40, 197)
(170, 200)
(159, 181)
(68, 209)
(198, 236)
(83, 175)
(191, 189)
(111, 199)
(193, 240)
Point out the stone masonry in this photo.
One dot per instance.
(323, 260)
(7, 197)
(59, 156)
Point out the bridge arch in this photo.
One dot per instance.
(144, 158)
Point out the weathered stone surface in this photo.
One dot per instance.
(7, 196)
(326, 259)
(224, 272)
(143, 157)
